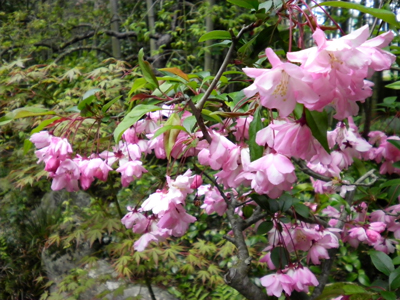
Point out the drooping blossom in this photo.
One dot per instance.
(276, 283)
(282, 86)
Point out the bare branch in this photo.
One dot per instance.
(69, 51)
(308, 171)
(200, 121)
(326, 266)
(225, 63)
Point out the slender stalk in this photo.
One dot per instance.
(225, 63)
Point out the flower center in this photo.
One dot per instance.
(281, 88)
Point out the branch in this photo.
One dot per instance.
(237, 276)
(221, 70)
(69, 51)
(200, 121)
(327, 264)
(77, 39)
(308, 171)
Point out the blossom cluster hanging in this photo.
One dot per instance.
(332, 74)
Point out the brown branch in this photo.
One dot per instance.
(308, 171)
(77, 39)
(197, 113)
(326, 266)
(69, 51)
(225, 63)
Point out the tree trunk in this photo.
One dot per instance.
(116, 46)
(209, 27)
(151, 21)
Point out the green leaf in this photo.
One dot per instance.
(250, 4)
(30, 111)
(6, 119)
(385, 15)
(394, 279)
(397, 164)
(302, 210)
(285, 201)
(248, 210)
(363, 279)
(351, 276)
(382, 262)
(137, 84)
(279, 257)
(210, 114)
(318, 123)
(86, 102)
(147, 70)
(390, 183)
(394, 85)
(395, 143)
(388, 295)
(109, 104)
(353, 289)
(256, 151)
(261, 200)
(131, 118)
(166, 128)
(90, 93)
(171, 134)
(216, 35)
(264, 227)
(43, 124)
(331, 291)
(189, 123)
(396, 260)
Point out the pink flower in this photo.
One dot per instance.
(131, 171)
(282, 86)
(274, 173)
(294, 139)
(66, 176)
(275, 283)
(213, 201)
(135, 220)
(302, 278)
(319, 249)
(41, 139)
(176, 219)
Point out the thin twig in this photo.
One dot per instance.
(308, 171)
(225, 63)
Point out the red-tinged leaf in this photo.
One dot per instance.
(141, 96)
(177, 72)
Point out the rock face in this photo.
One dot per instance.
(104, 281)
(128, 290)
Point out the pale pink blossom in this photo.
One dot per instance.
(276, 283)
(41, 139)
(282, 86)
(66, 176)
(130, 171)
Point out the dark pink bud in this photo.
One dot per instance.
(197, 181)
(52, 164)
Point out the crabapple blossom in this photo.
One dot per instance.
(282, 86)
(276, 283)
